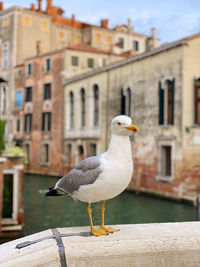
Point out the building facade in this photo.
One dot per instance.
(160, 91)
(54, 31)
(38, 102)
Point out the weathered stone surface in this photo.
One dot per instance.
(141, 245)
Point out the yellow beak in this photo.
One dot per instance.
(132, 128)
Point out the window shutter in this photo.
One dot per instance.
(195, 102)
(45, 92)
(30, 121)
(172, 99)
(49, 121)
(25, 123)
(43, 121)
(161, 105)
(123, 104)
(50, 91)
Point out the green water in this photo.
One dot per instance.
(50, 212)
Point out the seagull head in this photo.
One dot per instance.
(122, 125)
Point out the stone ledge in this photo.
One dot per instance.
(141, 245)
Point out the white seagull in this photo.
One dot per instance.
(104, 176)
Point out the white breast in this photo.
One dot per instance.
(117, 172)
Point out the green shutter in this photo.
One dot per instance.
(161, 105)
(2, 131)
(172, 99)
(195, 102)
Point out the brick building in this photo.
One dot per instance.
(160, 91)
(55, 31)
(38, 106)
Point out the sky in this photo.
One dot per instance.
(173, 19)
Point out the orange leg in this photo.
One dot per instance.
(102, 226)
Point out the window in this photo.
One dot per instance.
(71, 102)
(47, 91)
(92, 150)
(86, 38)
(18, 99)
(126, 102)
(28, 94)
(28, 123)
(80, 153)
(5, 60)
(18, 125)
(5, 22)
(74, 61)
(77, 39)
(3, 99)
(96, 104)
(45, 153)
(44, 26)
(109, 39)
(90, 63)
(135, 45)
(47, 64)
(28, 69)
(61, 36)
(98, 37)
(82, 96)
(166, 103)
(166, 161)
(69, 156)
(121, 42)
(27, 21)
(197, 102)
(27, 150)
(8, 189)
(104, 62)
(46, 121)
(19, 74)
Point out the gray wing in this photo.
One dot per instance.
(85, 173)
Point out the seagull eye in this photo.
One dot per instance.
(119, 123)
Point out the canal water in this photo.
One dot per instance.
(42, 212)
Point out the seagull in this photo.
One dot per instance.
(101, 177)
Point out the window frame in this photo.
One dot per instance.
(21, 100)
(46, 122)
(28, 94)
(76, 58)
(28, 122)
(47, 91)
(161, 145)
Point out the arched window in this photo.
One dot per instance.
(96, 104)
(128, 102)
(166, 102)
(82, 109)
(80, 153)
(71, 109)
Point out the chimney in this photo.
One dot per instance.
(130, 28)
(73, 19)
(153, 32)
(40, 5)
(39, 47)
(1, 6)
(33, 7)
(104, 23)
(49, 4)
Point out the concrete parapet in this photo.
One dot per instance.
(141, 245)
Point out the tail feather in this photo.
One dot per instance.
(52, 192)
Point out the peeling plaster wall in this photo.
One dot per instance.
(143, 78)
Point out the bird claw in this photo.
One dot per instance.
(109, 229)
(98, 232)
